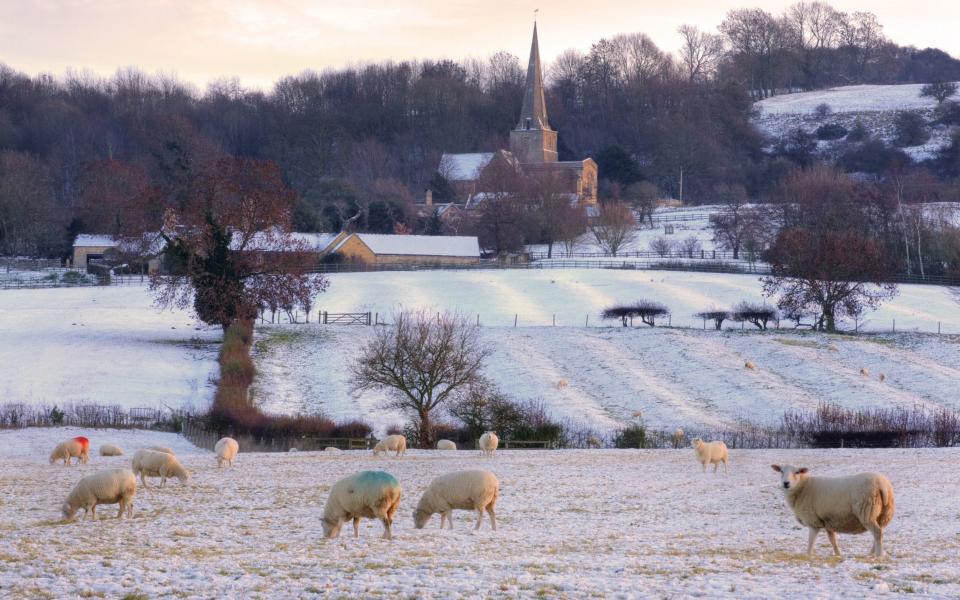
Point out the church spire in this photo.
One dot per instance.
(534, 112)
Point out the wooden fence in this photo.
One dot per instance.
(328, 318)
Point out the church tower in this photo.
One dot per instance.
(532, 141)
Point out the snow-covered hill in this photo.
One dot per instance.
(874, 105)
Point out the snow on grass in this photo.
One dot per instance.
(571, 524)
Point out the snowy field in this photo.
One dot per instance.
(875, 106)
(572, 524)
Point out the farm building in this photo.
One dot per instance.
(90, 249)
(379, 249)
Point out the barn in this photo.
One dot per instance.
(427, 250)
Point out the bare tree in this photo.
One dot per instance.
(700, 52)
(739, 226)
(662, 246)
(690, 246)
(423, 361)
(715, 315)
(615, 228)
(556, 215)
(939, 90)
(647, 310)
(757, 314)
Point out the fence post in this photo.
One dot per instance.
(894, 326)
(555, 322)
(515, 319)
(938, 327)
(587, 323)
(478, 319)
(324, 317)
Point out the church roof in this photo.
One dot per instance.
(534, 103)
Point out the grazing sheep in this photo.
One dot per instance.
(158, 464)
(163, 449)
(391, 442)
(446, 445)
(882, 377)
(594, 442)
(677, 437)
(367, 494)
(110, 486)
(226, 450)
(833, 348)
(488, 443)
(332, 450)
(71, 448)
(853, 504)
(463, 490)
(710, 452)
(750, 365)
(110, 450)
(562, 384)
(865, 372)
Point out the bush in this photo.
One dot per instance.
(634, 436)
(872, 156)
(823, 110)
(57, 415)
(948, 113)
(661, 246)
(859, 132)
(483, 407)
(757, 314)
(911, 129)
(831, 131)
(832, 426)
(647, 310)
(717, 316)
(351, 429)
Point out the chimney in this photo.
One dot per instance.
(428, 197)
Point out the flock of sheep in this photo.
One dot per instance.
(853, 504)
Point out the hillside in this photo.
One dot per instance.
(874, 105)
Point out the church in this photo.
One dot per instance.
(533, 151)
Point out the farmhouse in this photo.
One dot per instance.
(380, 249)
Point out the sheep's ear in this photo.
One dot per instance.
(802, 471)
(775, 468)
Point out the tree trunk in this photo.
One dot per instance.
(550, 249)
(425, 427)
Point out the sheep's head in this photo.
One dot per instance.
(184, 476)
(331, 528)
(696, 443)
(420, 518)
(790, 475)
(68, 511)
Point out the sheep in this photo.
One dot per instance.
(710, 452)
(72, 448)
(446, 445)
(677, 437)
(488, 443)
(749, 365)
(367, 494)
(158, 464)
(593, 442)
(464, 490)
(854, 504)
(110, 450)
(865, 372)
(163, 449)
(226, 450)
(562, 384)
(391, 442)
(110, 486)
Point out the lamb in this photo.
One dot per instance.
(226, 450)
(110, 450)
(110, 486)
(488, 443)
(446, 445)
(163, 449)
(391, 442)
(72, 448)
(711, 452)
(865, 372)
(158, 464)
(749, 365)
(464, 490)
(854, 504)
(367, 494)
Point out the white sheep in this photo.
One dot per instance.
(163, 449)
(72, 448)
(110, 486)
(446, 445)
(158, 464)
(677, 437)
(110, 450)
(367, 494)
(463, 490)
(749, 365)
(853, 504)
(488, 443)
(391, 442)
(226, 450)
(710, 452)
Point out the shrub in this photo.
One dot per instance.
(690, 246)
(832, 426)
(859, 132)
(634, 436)
(717, 316)
(911, 129)
(351, 429)
(647, 310)
(757, 314)
(57, 415)
(948, 113)
(823, 110)
(831, 131)
(661, 246)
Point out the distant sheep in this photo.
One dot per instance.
(562, 384)
(110, 450)
(396, 443)
(446, 445)
(677, 437)
(163, 449)
(158, 464)
(72, 448)
(110, 486)
(865, 372)
(332, 450)
(594, 442)
(853, 504)
(226, 449)
(710, 453)
(462, 490)
(749, 365)
(488, 443)
(368, 495)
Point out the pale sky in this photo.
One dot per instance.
(260, 41)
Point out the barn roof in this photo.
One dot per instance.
(421, 245)
(95, 240)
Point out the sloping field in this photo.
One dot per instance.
(571, 524)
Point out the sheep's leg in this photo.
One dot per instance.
(877, 549)
(356, 527)
(479, 518)
(123, 506)
(813, 537)
(716, 466)
(448, 515)
(833, 542)
(387, 533)
(143, 479)
(724, 466)
(704, 466)
(93, 511)
(493, 517)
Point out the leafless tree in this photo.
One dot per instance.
(700, 52)
(615, 228)
(939, 90)
(715, 315)
(424, 361)
(555, 214)
(647, 310)
(662, 246)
